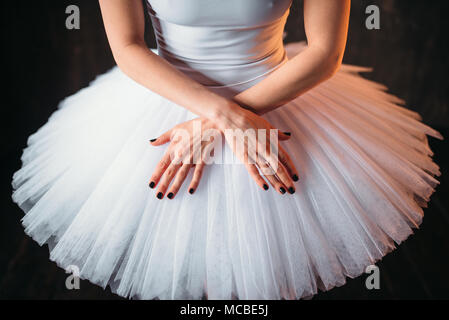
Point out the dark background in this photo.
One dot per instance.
(44, 62)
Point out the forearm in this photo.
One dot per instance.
(298, 75)
(326, 26)
(156, 74)
(124, 22)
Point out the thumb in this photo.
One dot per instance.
(284, 135)
(163, 139)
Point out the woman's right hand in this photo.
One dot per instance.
(244, 133)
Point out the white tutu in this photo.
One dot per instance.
(365, 172)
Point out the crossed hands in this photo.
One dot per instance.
(195, 143)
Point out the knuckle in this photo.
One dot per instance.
(164, 162)
(184, 170)
(179, 178)
(170, 172)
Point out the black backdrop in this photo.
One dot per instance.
(43, 62)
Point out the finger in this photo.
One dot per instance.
(285, 159)
(197, 173)
(254, 173)
(284, 177)
(284, 135)
(166, 179)
(163, 139)
(160, 169)
(272, 179)
(275, 163)
(179, 180)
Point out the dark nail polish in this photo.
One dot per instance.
(191, 191)
(151, 184)
(170, 195)
(291, 190)
(160, 195)
(265, 187)
(152, 140)
(288, 133)
(282, 190)
(295, 178)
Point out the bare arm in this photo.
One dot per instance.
(124, 22)
(326, 25)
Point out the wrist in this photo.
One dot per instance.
(226, 114)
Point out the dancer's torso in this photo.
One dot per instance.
(221, 42)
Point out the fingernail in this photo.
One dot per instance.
(170, 195)
(265, 187)
(287, 133)
(291, 190)
(151, 184)
(191, 191)
(295, 178)
(282, 190)
(152, 140)
(160, 195)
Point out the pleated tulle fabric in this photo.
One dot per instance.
(365, 173)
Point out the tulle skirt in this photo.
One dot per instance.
(365, 173)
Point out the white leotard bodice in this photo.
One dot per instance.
(220, 43)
